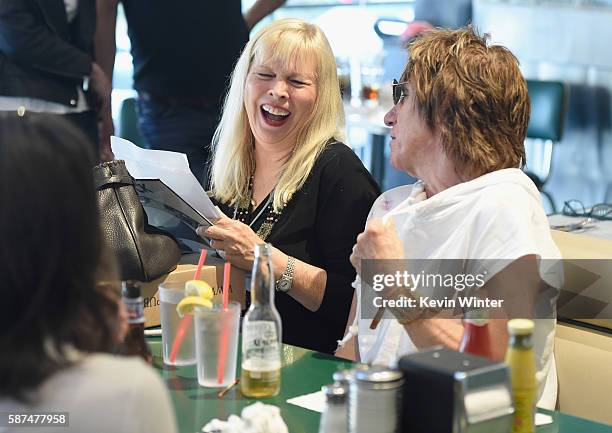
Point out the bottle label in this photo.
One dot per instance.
(524, 410)
(260, 345)
(135, 310)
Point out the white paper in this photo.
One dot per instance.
(543, 419)
(172, 168)
(314, 401)
(478, 403)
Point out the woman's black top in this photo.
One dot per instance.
(319, 226)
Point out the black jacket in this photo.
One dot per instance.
(319, 226)
(41, 55)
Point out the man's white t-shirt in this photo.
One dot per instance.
(496, 216)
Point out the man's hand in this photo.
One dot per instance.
(379, 241)
(99, 97)
(106, 128)
(100, 88)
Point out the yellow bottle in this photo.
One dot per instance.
(520, 358)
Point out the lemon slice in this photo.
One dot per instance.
(198, 288)
(188, 303)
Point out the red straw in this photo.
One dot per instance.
(227, 268)
(186, 322)
(196, 276)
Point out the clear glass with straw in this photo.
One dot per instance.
(216, 339)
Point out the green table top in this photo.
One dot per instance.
(303, 372)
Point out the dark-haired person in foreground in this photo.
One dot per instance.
(58, 325)
(458, 125)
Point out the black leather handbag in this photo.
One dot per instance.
(142, 252)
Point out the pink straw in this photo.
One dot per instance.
(186, 322)
(198, 271)
(227, 268)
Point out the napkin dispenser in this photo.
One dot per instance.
(447, 391)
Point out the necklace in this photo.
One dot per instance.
(270, 215)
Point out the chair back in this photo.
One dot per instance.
(128, 123)
(389, 30)
(548, 103)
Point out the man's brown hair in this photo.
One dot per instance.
(473, 94)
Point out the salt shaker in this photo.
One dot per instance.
(374, 400)
(334, 417)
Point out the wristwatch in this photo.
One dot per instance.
(285, 282)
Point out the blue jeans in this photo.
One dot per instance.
(180, 128)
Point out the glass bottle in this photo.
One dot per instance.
(520, 358)
(135, 343)
(261, 332)
(476, 335)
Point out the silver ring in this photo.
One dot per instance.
(212, 243)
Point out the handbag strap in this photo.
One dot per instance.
(111, 173)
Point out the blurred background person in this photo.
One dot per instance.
(282, 175)
(58, 327)
(458, 125)
(448, 14)
(180, 73)
(47, 63)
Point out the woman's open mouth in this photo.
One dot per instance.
(274, 116)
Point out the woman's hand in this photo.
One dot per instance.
(379, 241)
(235, 238)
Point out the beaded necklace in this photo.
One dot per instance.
(271, 216)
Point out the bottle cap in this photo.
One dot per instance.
(477, 316)
(130, 289)
(520, 326)
(342, 376)
(335, 393)
(262, 249)
(379, 377)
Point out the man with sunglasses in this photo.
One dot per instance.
(458, 123)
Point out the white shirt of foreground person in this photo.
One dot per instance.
(496, 216)
(102, 394)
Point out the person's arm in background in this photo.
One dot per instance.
(28, 41)
(259, 10)
(105, 49)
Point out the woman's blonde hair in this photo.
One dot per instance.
(288, 41)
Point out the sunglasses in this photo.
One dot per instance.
(398, 91)
(601, 211)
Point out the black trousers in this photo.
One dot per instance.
(87, 122)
